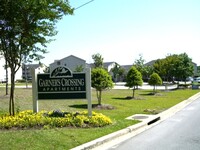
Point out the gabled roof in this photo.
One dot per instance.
(106, 64)
(74, 57)
(68, 57)
(126, 67)
(150, 63)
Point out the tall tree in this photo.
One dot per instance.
(25, 28)
(133, 79)
(160, 67)
(178, 66)
(169, 67)
(148, 70)
(198, 70)
(98, 60)
(118, 72)
(165, 67)
(101, 80)
(139, 64)
(184, 67)
(145, 70)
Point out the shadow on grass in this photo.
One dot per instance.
(82, 106)
(94, 106)
(147, 94)
(79, 106)
(128, 98)
(157, 93)
(120, 98)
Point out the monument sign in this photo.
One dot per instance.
(61, 83)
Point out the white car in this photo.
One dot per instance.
(189, 79)
(197, 79)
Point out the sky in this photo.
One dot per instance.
(121, 30)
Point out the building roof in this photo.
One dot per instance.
(126, 67)
(106, 64)
(68, 57)
(32, 65)
(150, 63)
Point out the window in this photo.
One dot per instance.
(58, 63)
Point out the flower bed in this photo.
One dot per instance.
(43, 119)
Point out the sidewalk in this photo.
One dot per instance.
(121, 85)
(131, 131)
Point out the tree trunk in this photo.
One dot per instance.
(6, 77)
(99, 97)
(154, 89)
(12, 94)
(178, 85)
(133, 96)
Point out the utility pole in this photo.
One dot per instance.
(83, 4)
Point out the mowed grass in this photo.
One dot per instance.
(67, 138)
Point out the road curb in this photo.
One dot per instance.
(137, 128)
(171, 111)
(109, 137)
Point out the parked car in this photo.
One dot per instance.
(3, 81)
(189, 79)
(197, 79)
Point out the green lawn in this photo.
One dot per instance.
(66, 138)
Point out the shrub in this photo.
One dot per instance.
(28, 119)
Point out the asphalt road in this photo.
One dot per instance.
(179, 132)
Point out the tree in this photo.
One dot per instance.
(145, 70)
(170, 69)
(98, 60)
(117, 71)
(133, 79)
(159, 67)
(148, 70)
(198, 71)
(25, 29)
(165, 67)
(183, 67)
(101, 80)
(6, 68)
(155, 80)
(79, 68)
(139, 64)
(178, 66)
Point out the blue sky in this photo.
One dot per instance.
(121, 30)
